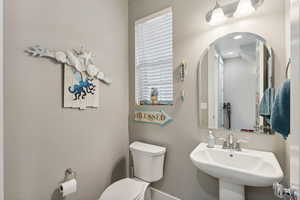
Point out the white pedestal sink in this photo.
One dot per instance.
(236, 169)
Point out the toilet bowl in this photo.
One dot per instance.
(148, 162)
(127, 189)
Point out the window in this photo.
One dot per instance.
(154, 59)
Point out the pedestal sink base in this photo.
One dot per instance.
(231, 191)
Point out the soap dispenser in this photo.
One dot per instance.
(211, 139)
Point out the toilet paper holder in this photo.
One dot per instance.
(70, 174)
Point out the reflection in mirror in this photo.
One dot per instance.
(234, 72)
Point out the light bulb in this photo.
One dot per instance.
(237, 37)
(244, 8)
(217, 17)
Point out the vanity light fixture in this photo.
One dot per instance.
(245, 8)
(237, 8)
(217, 15)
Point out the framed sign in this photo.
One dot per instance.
(152, 117)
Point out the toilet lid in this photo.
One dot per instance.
(125, 189)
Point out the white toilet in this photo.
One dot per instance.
(148, 162)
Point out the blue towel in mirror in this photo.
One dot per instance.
(280, 117)
(266, 104)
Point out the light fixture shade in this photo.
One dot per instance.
(217, 16)
(244, 8)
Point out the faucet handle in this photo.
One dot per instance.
(224, 141)
(238, 144)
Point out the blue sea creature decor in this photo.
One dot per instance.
(84, 88)
(81, 76)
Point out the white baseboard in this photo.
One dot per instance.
(159, 195)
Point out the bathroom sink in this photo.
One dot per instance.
(248, 167)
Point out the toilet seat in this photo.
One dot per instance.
(125, 189)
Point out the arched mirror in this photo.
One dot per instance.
(234, 72)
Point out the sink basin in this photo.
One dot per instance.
(235, 169)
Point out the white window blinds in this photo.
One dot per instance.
(154, 58)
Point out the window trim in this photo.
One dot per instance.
(153, 15)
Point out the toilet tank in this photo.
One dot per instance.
(148, 161)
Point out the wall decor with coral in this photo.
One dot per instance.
(81, 76)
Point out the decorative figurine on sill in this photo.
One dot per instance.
(154, 96)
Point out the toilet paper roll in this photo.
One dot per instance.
(68, 187)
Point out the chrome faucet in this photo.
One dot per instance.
(232, 143)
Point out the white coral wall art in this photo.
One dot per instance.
(81, 76)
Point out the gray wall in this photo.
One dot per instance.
(42, 139)
(240, 90)
(191, 36)
(293, 140)
(1, 105)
